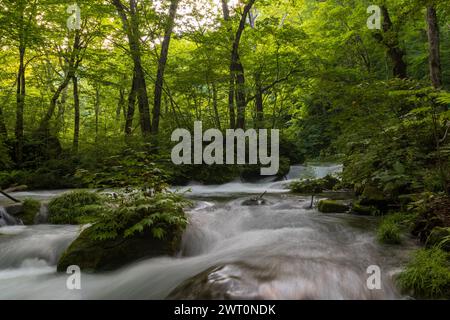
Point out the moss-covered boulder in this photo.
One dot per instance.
(439, 237)
(361, 210)
(330, 206)
(93, 255)
(30, 209)
(132, 226)
(75, 207)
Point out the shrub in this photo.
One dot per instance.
(137, 213)
(75, 207)
(389, 232)
(314, 186)
(427, 275)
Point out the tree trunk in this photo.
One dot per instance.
(231, 110)
(391, 41)
(120, 104)
(162, 66)
(20, 105)
(434, 47)
(259, 101)
(215, 107)
(74, 61)
(3, 130)
(237, 69)
(131, 107)
(97, 110)
(76, 104)
(131, 27)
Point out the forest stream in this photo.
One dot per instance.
(279, 249)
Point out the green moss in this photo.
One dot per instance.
(427, 275)
(132, 227)
(363, 210)
(389, 232)
(30, 209)
(329, 206)
(75, 207)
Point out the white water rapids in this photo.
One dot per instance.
(275, 251)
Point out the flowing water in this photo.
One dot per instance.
(277, 250)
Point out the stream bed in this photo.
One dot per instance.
(278, 250)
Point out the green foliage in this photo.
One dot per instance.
(130, 167)
(75, 207)
(135, 213)
(12, 178)
(5, 160)
(389, 232)
(428, 274)
(30, 208)
(314, 186)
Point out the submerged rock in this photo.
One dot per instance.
(329, 206)
(105, 255)
(257, 201)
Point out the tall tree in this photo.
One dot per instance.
(434, 46)
(131, 24)
(237, 68)
(24, 16)
(76, 107)
(162, 65)
(73, 62)
(390, 39)
(231, 109)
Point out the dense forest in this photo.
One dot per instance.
(91, 92)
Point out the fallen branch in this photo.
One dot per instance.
(9, 197)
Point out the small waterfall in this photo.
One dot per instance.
(6, 219)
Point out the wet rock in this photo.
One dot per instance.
(329, 206)
(255, 202)
(105, 255)
(361, 210)
(14, 209)
(226, 282)
(25, 211)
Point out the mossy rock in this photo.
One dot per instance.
(75, 207)
(106, 255)
(439, 236)
(361, 210)
(30, 209)
(329, 206)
